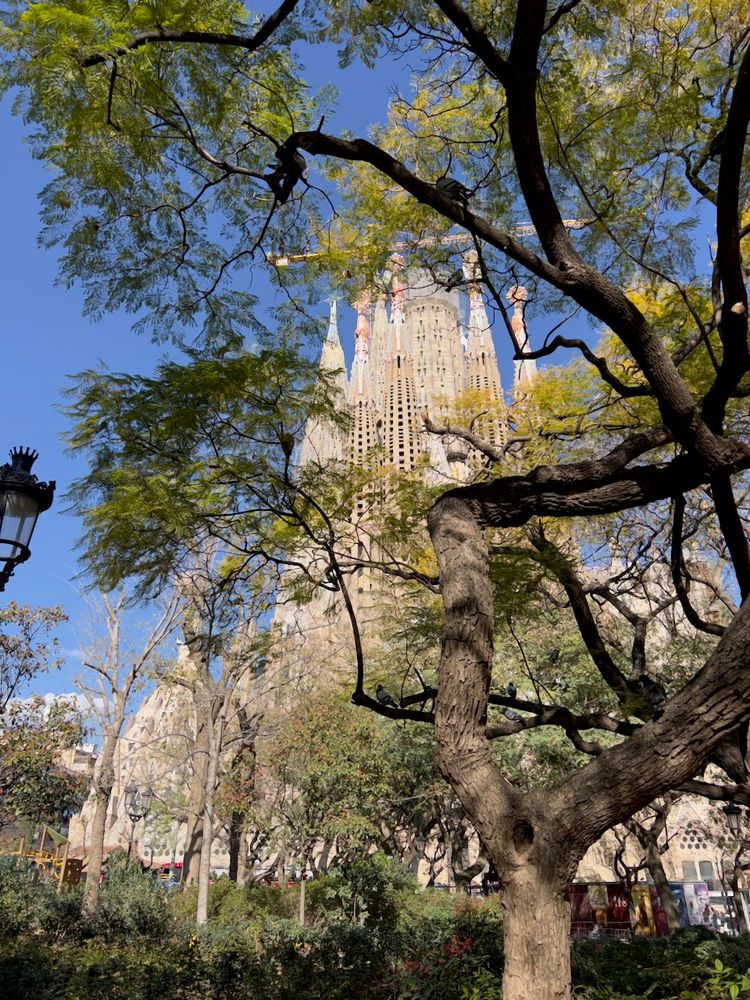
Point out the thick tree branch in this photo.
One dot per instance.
(676, 566)
(590, 634)
(733, 327)
(732, 529)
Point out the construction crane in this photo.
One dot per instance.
(455, 239)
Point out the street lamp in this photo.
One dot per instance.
(733, 812)
(137, 805)
(22, 499)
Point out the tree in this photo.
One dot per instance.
(25, 650)
(35, 784)
(630, 117)
(341, 780)
(34, 732)
(223, 655)
(115, 676)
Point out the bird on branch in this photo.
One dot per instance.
(385, 697)
(654, 693)
(454, 280)
(454, 189)
(284, 177)
(512, 690)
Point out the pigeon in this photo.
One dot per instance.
(385, 697)
(455, 280)
(511, 716)
(654, 694)
(512, 690)
(282, 179)
(454, 189)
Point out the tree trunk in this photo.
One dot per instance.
(196, 805)
(458, 843)
(103, 785)
(96, 851)
(536, 927)
(236, 840)
(739, 909)
(215, 740)
(656, 868)
(280, 862)
(242, 860)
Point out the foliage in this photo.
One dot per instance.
(34, 733)
(438, 947)
(684, 966)
(132, 906)
(157, 121)
(366, 891)
(339, 777)
(206, 441)
(31, 904)
(26, 646)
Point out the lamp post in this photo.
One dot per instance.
(733, 812)
(137, 806)
(22, 500)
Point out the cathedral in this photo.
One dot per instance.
(419, 350)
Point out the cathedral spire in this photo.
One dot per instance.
(400, 420)
(363, 435)
(333, 325)
(378, 346)
(322, 441)
(482, 374)
(397, 340)
(360, 381)
(524, 370)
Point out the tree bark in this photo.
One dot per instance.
(196, 805)
(215, 744)
(241, 878)
(535, 839)
(103, 785)
(96, 850)
(739, 909)
(536, 925)
(655, 866)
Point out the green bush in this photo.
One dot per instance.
(30, 902)
(129, 903)
(681, 967)
(371, 937)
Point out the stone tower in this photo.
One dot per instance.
(482, 374)
(363, 435)
(400, 421)
(323, 442)
(524, 369)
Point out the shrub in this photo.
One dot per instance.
(30, 902)
(129, 903)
